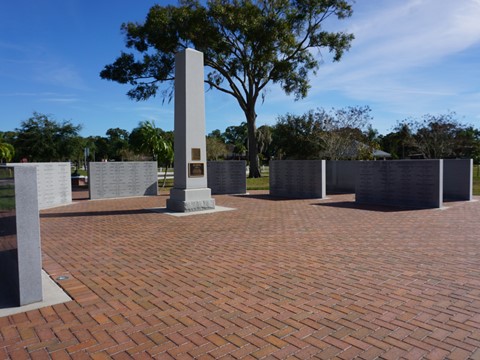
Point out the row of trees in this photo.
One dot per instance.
(43, 139)
(433, 137)
(336, 134)
(347, 134)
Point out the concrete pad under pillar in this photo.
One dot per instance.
(52, 295)
(186, 200)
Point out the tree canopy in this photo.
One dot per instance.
(298, 137)
(344, 133)
(7, 151)
(41, 138)
(439, 136)
(117, 140)
(247, 44)
(336, 134)
(153, 141)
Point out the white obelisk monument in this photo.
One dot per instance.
(190, 191)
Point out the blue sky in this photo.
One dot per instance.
(409, 58)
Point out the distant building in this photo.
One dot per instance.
(381, 155)
(357, 147)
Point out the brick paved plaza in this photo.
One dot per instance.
(272, 279)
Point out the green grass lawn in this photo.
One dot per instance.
(476, 180)
(168, 182)
(7, 190)
(7, 197)
(81, 172)
(258, 183)
(252, 184)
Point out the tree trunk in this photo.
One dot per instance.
(165, 176)
(252, 144)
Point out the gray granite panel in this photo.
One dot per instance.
(190, 206)
(21, 254)
(122, 179)
(458, 179)
(404, 183)
(227, 177)
(341, 176)
(28, 235)
(53, 182)
(297, 178)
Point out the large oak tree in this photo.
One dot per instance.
(247, 44)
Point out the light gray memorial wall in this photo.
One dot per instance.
(122, 179)
(227, 177)
(53, 182)
(298, 178)
(458, 179)
(20, 249)
(402, 183)
(341, 176)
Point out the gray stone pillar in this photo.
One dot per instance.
(190, 190)
(28, 235)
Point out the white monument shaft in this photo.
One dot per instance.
(190, 191)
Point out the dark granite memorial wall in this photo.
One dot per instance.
(341, 176)
(458, 179)
(298, 178)
(402, 183)
(227, 177)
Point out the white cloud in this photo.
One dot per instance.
(64, 100)
(406, 54)
(60, 75)
(37, 62)
(45, 96)
(417, 31)
(12, 47)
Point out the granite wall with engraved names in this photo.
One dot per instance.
(458, 179)
(54, 183)
(122, 179)
(227, 177)
(400, 183)
(298, 178)
(341, 176)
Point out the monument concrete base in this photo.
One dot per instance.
(187, 200)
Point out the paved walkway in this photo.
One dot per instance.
(273, 279)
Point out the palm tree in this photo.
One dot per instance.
(153, 143)
(7, 151)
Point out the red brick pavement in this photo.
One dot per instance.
(275, 279)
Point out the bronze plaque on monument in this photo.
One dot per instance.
(196, 154)
(196, 169)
